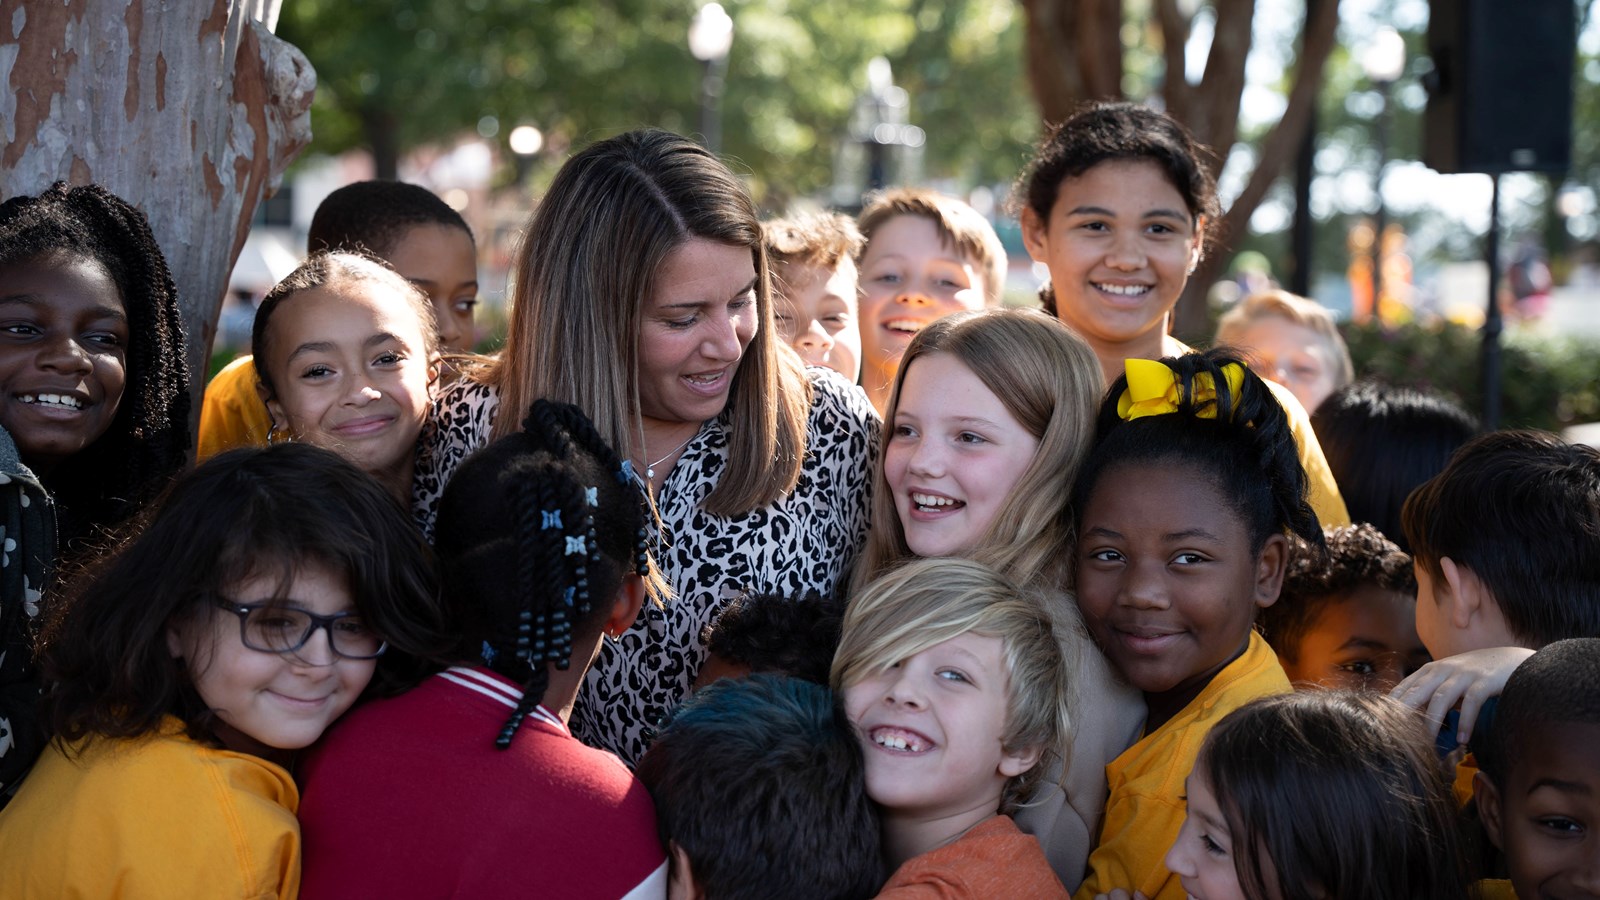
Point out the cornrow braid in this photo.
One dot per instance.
(148, 441)
(537, 533)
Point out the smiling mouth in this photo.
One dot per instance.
(1124, 290)
(900, 740)
(905, 326)
(52, 401)
(934, 502)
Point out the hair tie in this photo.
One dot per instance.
(1154, 390)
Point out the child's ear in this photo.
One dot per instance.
(1464, 592)
(174, 642)
(681, 884)
(625, 608)
(1034, 236)
(1016, 763)
(1488, 797)
(1271, 563)
(274, 408)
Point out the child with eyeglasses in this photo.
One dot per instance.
(268, 592)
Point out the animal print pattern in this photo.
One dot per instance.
(804, 542)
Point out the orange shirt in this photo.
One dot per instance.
(232, 414)
(993, 859)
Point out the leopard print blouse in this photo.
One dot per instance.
(804, 542)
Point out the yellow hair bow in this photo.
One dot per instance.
(1154, 389)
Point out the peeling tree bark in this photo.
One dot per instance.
(189, 109)
(1074, 53)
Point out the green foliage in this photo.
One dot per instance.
(1548, 382)
(582, 70)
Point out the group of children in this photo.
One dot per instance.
(1065, 663)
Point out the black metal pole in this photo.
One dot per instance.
(1300, 229)
(1492, 325)
(1300, 235)
(711, 103)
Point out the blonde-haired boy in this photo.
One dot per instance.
(958, 689)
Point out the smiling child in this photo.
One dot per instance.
(927, 255)
(1182, 508)
(348, 359)
(958, 689)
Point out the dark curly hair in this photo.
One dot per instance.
(1242, 444)
(148, 441)
(536, 533)
(776, 633)
(246, 513)
(1118, 132)
(374, 215)
(1357, 555)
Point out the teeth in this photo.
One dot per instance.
(65, 401)
(931, 501)
(703, 379)
(905, 326)
(896, 742)
(1124, 290)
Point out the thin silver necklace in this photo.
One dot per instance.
(650, 468)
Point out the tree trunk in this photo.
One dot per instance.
(1277, 149)
(1074, 53)
(189, 109)
(382, 128)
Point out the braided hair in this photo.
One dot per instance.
(536, 533)
(148, 442)
(1245, 448)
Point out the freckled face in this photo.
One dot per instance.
(909, 278)
(1119, 244)
(695, 331)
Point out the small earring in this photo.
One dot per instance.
(276, 435)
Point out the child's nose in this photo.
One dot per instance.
(1143, 588)
(903, 691)
(815, 338)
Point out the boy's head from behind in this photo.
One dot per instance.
(956, 684)
(1346, 619)
(1507, 544)
(418, 234)
(759, 793)
(771, 633)
(1539, 786)
(813, 259)
(1382, 441)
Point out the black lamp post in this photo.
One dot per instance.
(710, 38)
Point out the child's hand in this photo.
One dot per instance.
(1120, 894)
(1467, 678)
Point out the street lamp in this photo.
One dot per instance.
(710, 38)
(1383, 62)
(879, 122)
(526, 142)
